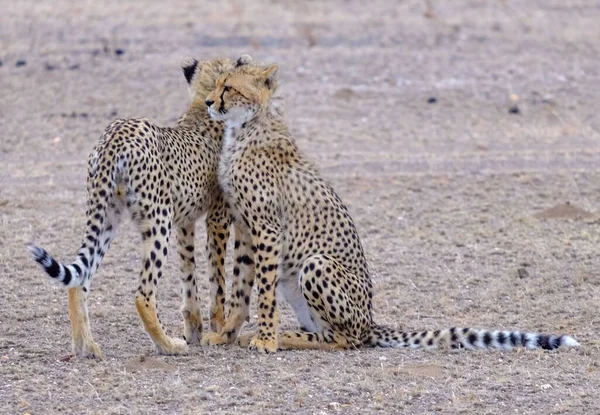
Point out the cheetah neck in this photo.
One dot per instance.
(229, 136)
(196, 114)
(234, 131)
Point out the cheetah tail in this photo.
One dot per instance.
(98, 234)
(467, 338)
(70, 275)
(102, 219)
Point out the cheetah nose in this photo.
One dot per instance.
(208, 102)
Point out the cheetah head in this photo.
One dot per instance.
(242, 93)
(202, 75)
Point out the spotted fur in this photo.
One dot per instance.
(164, 177)
(302, 240)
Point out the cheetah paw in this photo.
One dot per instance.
(217, 320)
(192, 327)
(245, 339)
(214, 339)
(263, 345)
(173, 347)
(88, 350)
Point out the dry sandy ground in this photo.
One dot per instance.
(450, 197)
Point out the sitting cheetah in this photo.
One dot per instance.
(302, 239)
(162, 176)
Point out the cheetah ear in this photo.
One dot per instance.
(270, 76)
(189, 66)
(243, 60)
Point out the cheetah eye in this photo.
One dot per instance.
(226, 88)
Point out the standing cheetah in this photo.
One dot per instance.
(161, 176)
(302, 239)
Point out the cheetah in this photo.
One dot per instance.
(299, 241)
(162, 176)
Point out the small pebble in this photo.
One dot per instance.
(21, 62)
(522, 273)
(1, 63)
(49, 67)
(119, 52)
(432, 100)
(74, 67)
(514, 110)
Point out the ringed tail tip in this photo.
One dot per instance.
(36, 252)
(569, 341)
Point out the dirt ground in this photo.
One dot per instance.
(471, 214)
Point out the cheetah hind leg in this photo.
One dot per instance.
(153, 262)
(339, 302)
(341, 317)
(190, 308)
(83, 343)
(302, 340)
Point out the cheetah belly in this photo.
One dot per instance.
(288, 288)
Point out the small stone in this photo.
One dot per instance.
(334, 406)
(432, 100)
(119, 52)
(74, 67)
(1, 63)
(522, 273)
(21, 62)
(49, 67)
(514, 110)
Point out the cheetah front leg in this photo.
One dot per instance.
(241, 289)
(190, 309)
(218, 221)
(83, 343)
(156, 241)
(266, 245)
